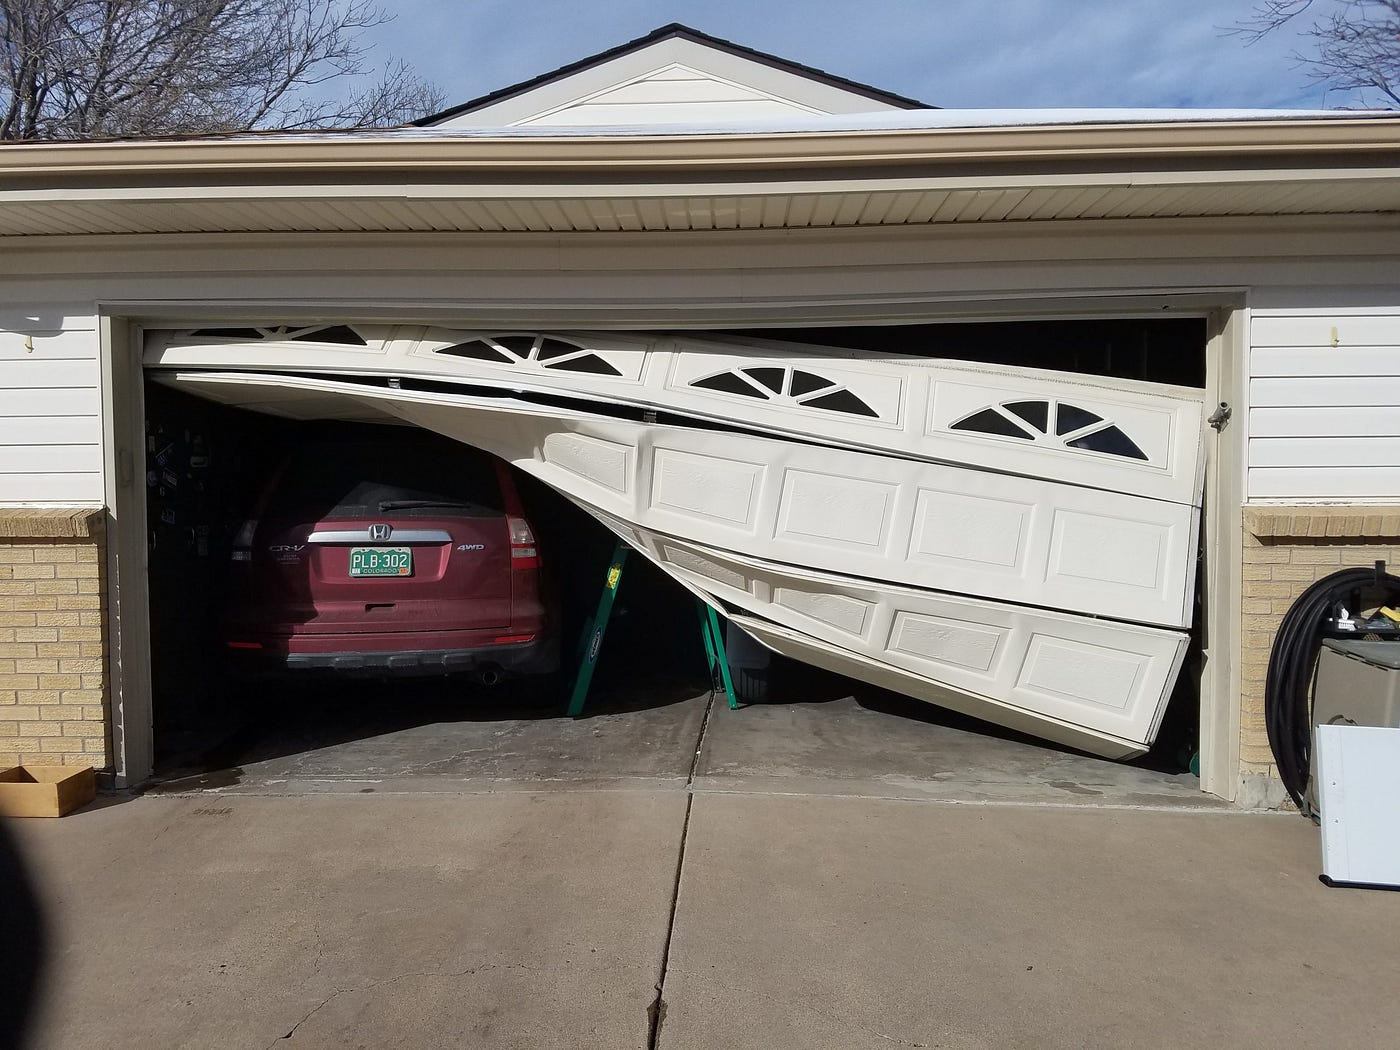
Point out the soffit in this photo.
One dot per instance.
(670, 183)
(497, 209)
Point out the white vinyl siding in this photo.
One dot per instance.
(668, 96)
(1324, 396)
(674, 79)
(50, 418)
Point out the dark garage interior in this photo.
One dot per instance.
(207, 464)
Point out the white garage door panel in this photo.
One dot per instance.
(911, 407)
(809, 650)
(605, 463)
(295, 404)
(1154, 428)
(1014, 539)
(211, 353)
(1001, 571)
(1107, 678)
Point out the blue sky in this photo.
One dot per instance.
(951, 53)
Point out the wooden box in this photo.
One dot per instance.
(45, 791)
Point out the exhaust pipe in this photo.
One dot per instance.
(490, 676)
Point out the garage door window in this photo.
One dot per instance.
(791, 384)
(1074, 427)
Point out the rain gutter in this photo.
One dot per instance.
(351, 155)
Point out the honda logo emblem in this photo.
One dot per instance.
(380, 532)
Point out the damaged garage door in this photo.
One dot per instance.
(1012, 543)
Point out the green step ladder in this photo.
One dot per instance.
(591, 644)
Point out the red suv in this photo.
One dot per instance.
(390, 553)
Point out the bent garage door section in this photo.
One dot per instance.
(1013, 543)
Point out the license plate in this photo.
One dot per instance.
(381, 561)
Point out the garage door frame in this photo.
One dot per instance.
(121, 326)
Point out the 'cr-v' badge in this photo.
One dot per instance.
(380, 532)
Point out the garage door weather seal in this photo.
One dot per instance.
(1014, 543)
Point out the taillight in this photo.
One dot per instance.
(523, 553)
(243, 542)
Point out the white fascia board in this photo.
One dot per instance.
(662, 188)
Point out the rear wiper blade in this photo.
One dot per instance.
(414, 504)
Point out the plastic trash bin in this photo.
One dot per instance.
(1357, 684)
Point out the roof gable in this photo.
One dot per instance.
(674, 75)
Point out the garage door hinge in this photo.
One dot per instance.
(1220, 416)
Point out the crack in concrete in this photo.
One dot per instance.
(309, 1014)
(320, 949)
(656, 1009)
(456, 758)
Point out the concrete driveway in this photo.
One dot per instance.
(842, 874)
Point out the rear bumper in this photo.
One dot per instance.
(538, 657)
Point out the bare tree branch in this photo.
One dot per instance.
(1356, 43)
(97, 68)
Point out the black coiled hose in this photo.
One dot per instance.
(1287, 710)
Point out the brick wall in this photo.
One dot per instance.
(1285, 549)
(54, 707)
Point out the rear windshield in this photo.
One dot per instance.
(403, 475)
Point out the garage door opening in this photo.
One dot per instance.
(1169, 351)
(209, 467)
